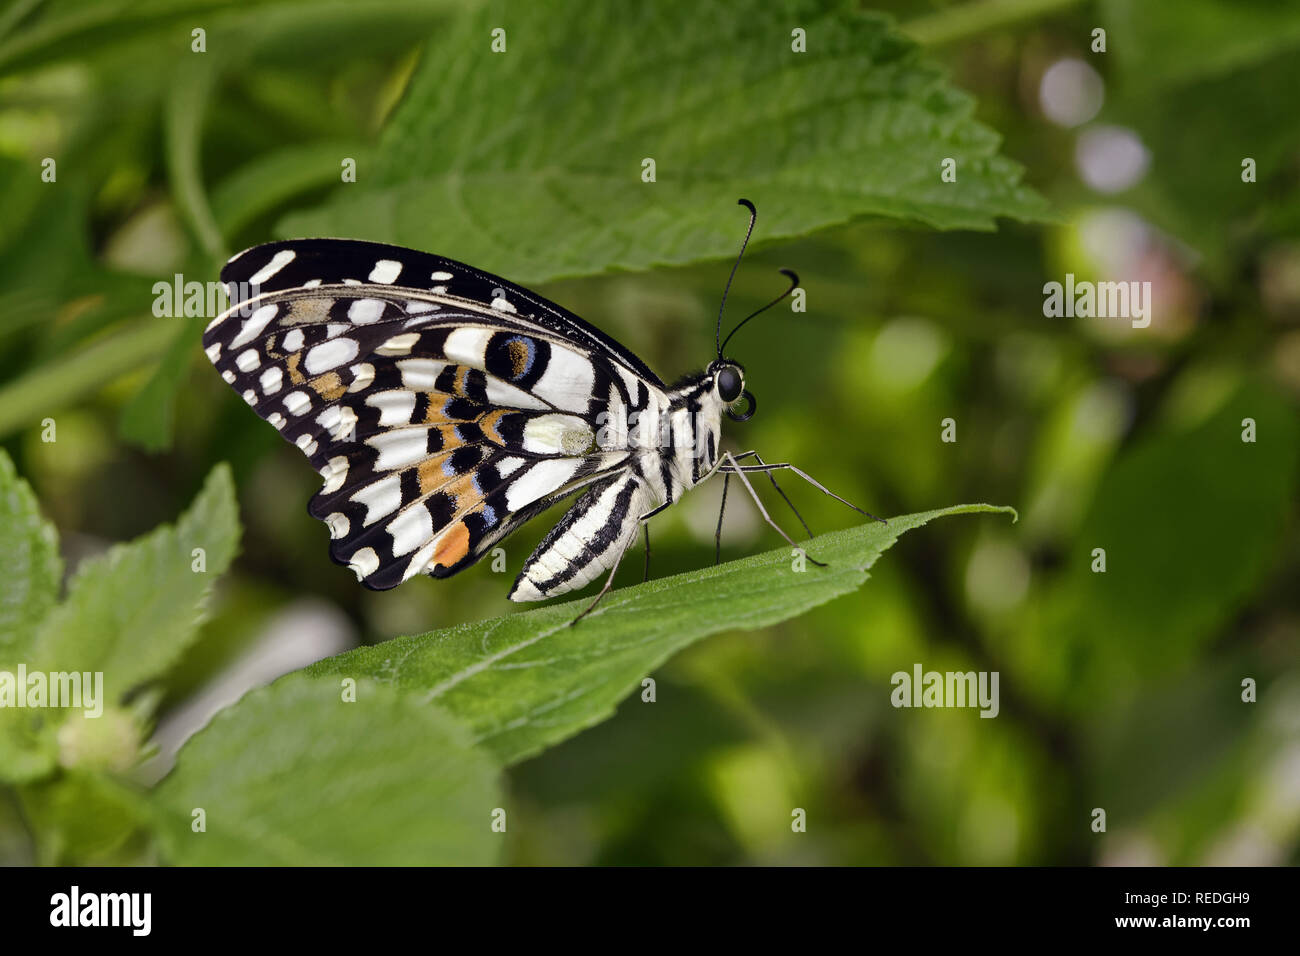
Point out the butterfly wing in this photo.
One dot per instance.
(439, 423)
(295, 263)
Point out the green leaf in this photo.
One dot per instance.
(263, 183)
(89, 29)
(61, 383)
(45, 258)
(62, 29)
(555, 131)
(132, 612)
(954, 22)
(147, 417)
(1165, 44)
(526, 681)
(294, 775)
(1191, 520)
(1189, 83)
(25, 753)
(30, 567)
(1199, 134)
(1174, 736)
(30, 573)
(82, 818)
(187, 103)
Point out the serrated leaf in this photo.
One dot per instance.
(294, 775)
(131, 613)
(30, 566)
(555, 130)
(526, 681)
(30, 573)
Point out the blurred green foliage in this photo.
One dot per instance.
(1120, 690)
(428, 791)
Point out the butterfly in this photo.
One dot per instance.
(444, 407)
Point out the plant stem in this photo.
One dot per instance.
(966, 20)
(60, 384)
(183, 128)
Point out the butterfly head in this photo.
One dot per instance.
(728, 379)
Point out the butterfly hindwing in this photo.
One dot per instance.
(451, 486)
(437, 424)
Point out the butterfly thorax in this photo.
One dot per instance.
(671, 440)
(695, 424)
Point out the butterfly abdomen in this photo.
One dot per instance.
(590, 538)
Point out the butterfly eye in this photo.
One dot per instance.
(730, 384)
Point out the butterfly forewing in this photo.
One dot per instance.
(290, 264)
(440, 415)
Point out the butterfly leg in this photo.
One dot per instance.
(722, 509)
(609, 583)
(772, 477)
(726, 478)
(768, 468)
(744, 479)
(645, 528)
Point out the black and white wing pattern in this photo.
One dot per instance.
(442, 406)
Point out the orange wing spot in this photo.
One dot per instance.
(291, 363)
(431, 475)
(434, 479)
(450, 440)
(488, 422)
(452, 545)
(328, 386)
(462, 492)
(435, 414)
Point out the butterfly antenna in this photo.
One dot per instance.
(753, 216)
(794, 284)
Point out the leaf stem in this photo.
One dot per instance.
(183, 127)
(61, 383)
(966, 20)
